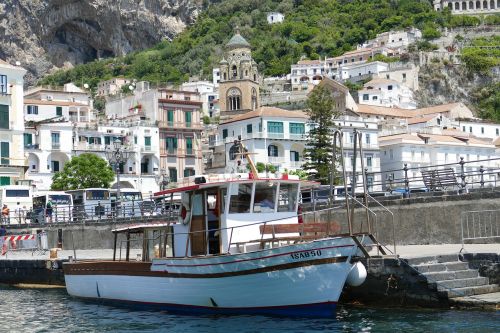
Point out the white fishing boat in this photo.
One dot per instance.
(238, 246)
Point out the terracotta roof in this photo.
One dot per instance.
(385, 111)
(309, 62)
(57, 103)
(268, 111)
(419, 120)
(402, 136)
(436, 108)
(441, 138)
(380, 81)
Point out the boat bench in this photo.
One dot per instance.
(439, 179)
(306, 231)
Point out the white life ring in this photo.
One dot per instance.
(184, 214)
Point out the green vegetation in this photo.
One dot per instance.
(487, 99)
(314, 28)
(84, 171)
(318, 154)
(482, 55)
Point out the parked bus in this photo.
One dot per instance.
(18, 200)
(130, 202)
(91, 203)
(62, 205)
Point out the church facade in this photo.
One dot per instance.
(468, 7)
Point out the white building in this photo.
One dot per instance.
(39, 110)
(394, 39)
(216, 77)
(432, 147)
(208, 96)
(307, 73)
(12, 159)
(468, 7)
(361, 71)
(387, 93)
(273, 136)
(479, 128)
(275, 17)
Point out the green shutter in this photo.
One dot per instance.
(147, 141)
(188, 119)
(224, 133)
(58, 110)
(274, 127)
(4, 116)
(4, 181)
(189, 146)
(28, 139)
(4, 153)
(170, 115)
(249, 128)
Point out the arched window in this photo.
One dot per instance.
(234, 99)
(457, 6)
(471, 5)
(485, 4)
(234, 72)
(478, 4)
(492, 4)
(464, 5)
(255, 77)
(233, 152)
(225, 76)
(272, 151)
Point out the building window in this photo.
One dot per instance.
(224, 133)
(188, 117)
(172, 174)
(463, 128)
(369, 161)
(368, 139)
(4, 153)
(272, 151)
(234, 99)
(58, 111)
(189, 146)
(404, 77)
(171, 144)
(249, 128)
(54, 166)
(470, 129)
(170, 118)
(234, 152)
(391, 154)
(274, 127)
(366, 97)
(28, 140)
(55, 139)
(32, 109)
(147, 141)
(482, 130)
(297, 128)
(294, 156)
(107, 137)
(389, 87)
(3, 84)
(188, 172)
(374, 98)
(497, 131)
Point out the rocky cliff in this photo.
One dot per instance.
(48, 34)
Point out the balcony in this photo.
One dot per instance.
(276, 159)
(56, 145)
(32, 146)
(179, 125)
(259, 135)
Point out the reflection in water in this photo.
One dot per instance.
(52, 310)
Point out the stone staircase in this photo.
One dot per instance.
(450, 277)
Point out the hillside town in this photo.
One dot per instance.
(182, 131)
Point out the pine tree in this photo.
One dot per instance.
(318, 153)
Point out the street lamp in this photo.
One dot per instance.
(116, 156)
(162, 179)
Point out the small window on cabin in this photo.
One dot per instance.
(240, 202)
(265, 198)
(287, 198)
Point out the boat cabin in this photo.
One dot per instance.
(218, 215)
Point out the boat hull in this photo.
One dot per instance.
(297, 280)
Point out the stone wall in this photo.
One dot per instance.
(31, 272)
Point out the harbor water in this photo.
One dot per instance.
(53, 310)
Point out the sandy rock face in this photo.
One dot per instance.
(47, 34)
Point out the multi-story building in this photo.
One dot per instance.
(406, 74)
(360, 71)
(394, 39)
(468, 7)
(208, 96)
(272, 135)
(387, 93)
(12, 159)
(112, 86)
(432, 146)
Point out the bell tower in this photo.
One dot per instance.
(238, 87)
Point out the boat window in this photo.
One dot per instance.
(287, 197)
(97, 195)
(240, 203)
(60, 199)
(265, 197)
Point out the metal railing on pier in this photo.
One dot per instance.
(480, 226)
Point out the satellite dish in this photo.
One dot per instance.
(18, 63)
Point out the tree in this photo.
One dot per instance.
(322, 112)
(84, 171)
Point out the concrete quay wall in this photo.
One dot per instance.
(32, 271)
(418, 220)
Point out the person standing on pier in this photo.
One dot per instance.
(5, 214)
(49, 211)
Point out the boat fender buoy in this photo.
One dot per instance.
(184, 214)
(357, 275)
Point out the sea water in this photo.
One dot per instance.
(53, 310)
